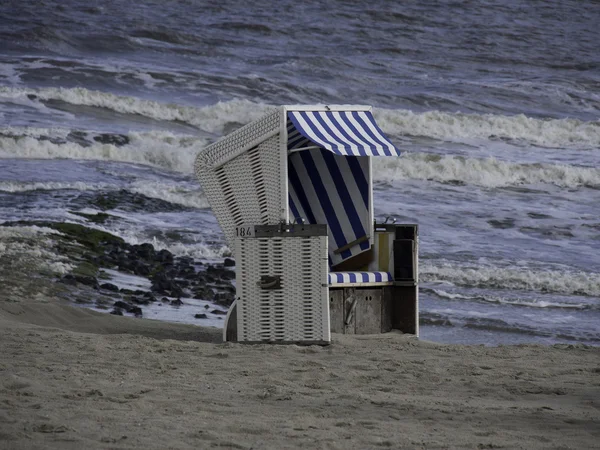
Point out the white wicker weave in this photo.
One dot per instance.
(297, 310)
(245, 187)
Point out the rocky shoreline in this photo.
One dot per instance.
(171, 277)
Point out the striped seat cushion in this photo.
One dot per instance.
(359, 277)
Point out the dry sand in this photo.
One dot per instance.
(72, 379)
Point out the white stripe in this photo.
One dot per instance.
(374, 144)
(336, 202)
(350, 148)
(351, 133)
(374, 130)
(369, 277)
(313, 200)
(340, 145)
(308, 130)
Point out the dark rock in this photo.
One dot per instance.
(229, 262)
(139, 301)
(116, 312)
(204, 293)
(110, 287)
(88, 281)
(224, 299)
(149, 296)
(122, 305)
(115, 139)
(177, 302)
(164, 256)
(186, 260)
(146, 251)
(126, 291)
(206, 306)
(69, 279)
(219, 312)
(201, 316)
(228, 275)
(136, 310)
(176, 291)
(164, 299)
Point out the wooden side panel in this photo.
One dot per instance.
(350, 303)
(386, 309)
(404, 309)
(336, 310)
(368, 311)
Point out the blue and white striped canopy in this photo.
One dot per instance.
(347, 133)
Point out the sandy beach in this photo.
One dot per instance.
(73, 378)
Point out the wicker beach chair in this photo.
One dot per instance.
(293, 194)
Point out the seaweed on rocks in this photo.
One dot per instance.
(171, 277)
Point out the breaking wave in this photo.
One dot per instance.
(570, 283)
(488, 172)
(459, 126)
(211, 118)
(175, 152)
(553, 133)
(507, 301)
(28, 247)
(156, 148)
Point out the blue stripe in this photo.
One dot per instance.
(368, 131)
(361, 147)
(378, 276)
(352, 277)
(345, 149)
(342, 190)
(365, 277)
(387, 141)
(362, 150)
(297, 186)
(337, 132)
(332, 220)
(316, 131)
(359, 176)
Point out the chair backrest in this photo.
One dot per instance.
(325, 188)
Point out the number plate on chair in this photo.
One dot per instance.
(244, 231)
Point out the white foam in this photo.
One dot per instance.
(23, 186)
(487, 172)
(577, 283)
(435, 124)
(27, 246)
(171, 193)
(156, 148)
(35, 132)
(209, 118)
(465, 127)
(510, 301)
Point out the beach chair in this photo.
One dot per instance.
(293, 194)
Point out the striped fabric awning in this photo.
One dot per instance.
(347, 133)
(332, 189)
(359, 277)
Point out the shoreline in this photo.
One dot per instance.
(72, 377)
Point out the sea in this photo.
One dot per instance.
(495, 105)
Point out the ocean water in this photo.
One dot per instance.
(495, 105)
